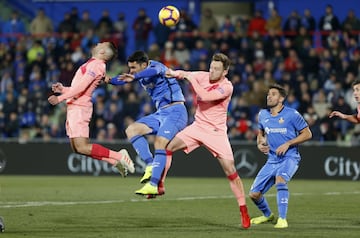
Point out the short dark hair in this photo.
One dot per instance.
(139, 57)
(280, 88)
(356, 82)
(223, 59)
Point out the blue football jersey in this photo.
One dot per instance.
(281, 128)
(161, 89)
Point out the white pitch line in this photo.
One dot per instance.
(68, 203)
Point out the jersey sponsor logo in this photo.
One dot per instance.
(245, 162)
(275, 130)
(167, 132)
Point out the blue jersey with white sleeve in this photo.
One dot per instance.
(161, 89)
(279, 129)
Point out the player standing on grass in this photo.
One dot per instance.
(281, 130)
(354, 118)
(80, 108)
(209, 129)
(170, 117)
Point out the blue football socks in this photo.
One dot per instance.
(158, 166)
(263, 206)
(142, 148)
(282, 199)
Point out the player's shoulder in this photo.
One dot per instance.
(154, 63)
(201, 74)
(291, 111)
(93, 62)
(227, 82)
(264, 112)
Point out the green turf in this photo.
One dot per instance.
(47, 206)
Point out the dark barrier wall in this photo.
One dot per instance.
(319, 162)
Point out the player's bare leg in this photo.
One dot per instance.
(119, 159)
(237, 188)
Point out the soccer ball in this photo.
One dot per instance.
(169, 16)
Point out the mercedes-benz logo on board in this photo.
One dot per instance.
(245, 162)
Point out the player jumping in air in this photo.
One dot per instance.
(213, 91)
(169, 118)
(80, 108)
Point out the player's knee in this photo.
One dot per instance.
(80, 148)
(160, 142)
(130, 131)
(281, 186)
(255, 195)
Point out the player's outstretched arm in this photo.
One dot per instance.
(114, 80)
(351, 118)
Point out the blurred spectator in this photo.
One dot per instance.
(291, 62)
(240, 27)
(85, 23)
(154, 52)
(168, 57)
(227, 25)
(13, 28)
(314, 123)
(274, 22)
(328, 22)
(292, 24)
(89, 40)
(120, 31)
(320, 103)
(351, 23)
(12, 128)
(131, 106)
(308, 21)
(35, 51)
(185, 24)
(181, 53)
(198, 53)
(208, 22)
(66, 73)
(74, 16)
(257, 23)
(303, 41)
(142, 27)
(104, 25)
(41, 26)
(66, 25)
(161, 34)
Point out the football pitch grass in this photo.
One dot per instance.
(71, 206)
